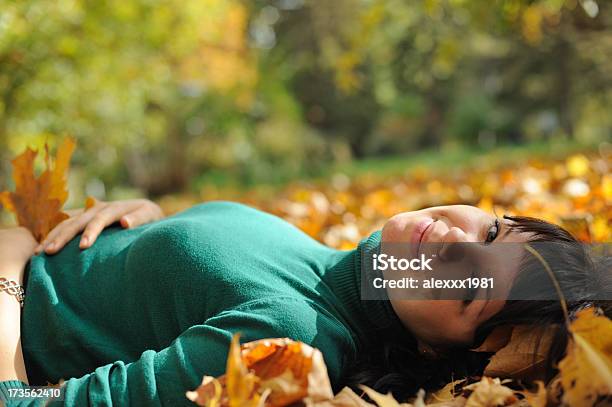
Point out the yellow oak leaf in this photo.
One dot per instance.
(586, 370)
(346, 398)
(387, 400)
(268, 372)
(489, 392)
(241, 383)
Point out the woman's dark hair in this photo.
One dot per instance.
(391, 362)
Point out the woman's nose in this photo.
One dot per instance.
(455, 235)
(453, 248)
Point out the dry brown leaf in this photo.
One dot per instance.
(38, 202)
(586, 370)
(270, 372)
(537, 399)
(554, 391)
(387, 400)
(497, 339)
(524, 357)
(346, 398)
(578, 225)
(90, 202)
(445, 394)
(208, 394)
(241, 383)
(489, 393)
(456, 402)
(237, 388)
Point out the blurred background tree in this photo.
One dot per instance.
(167, 96)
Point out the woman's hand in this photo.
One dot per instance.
(17, 245)
(92, 221)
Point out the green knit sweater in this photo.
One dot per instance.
(140, 317)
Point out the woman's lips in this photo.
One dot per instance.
(417, 235)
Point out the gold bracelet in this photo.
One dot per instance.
(12, 288)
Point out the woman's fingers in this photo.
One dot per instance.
(67, 230)
(92, 221)
(106, 217)
(145, 213)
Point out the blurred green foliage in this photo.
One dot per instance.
(163, 95)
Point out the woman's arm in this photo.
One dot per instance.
(11, 358)
(16, 247)
(129, 213)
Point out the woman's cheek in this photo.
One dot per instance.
(425, 319)
(444, 323)
(436, 322)
(393, 229)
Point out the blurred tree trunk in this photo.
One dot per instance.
(564, 55)
(432, 130)
(176, 174)
(4, 159)
(161, 172)
(8, 101)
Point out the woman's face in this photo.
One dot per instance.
(442, 323)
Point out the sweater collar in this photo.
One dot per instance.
(344, 278)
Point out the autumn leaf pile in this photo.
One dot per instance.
(574, 191)
(282, 372)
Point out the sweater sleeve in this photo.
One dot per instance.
(162, 378)
(6, 387)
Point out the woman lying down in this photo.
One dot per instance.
(133, 309)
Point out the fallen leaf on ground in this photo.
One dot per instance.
(270, 372)
(489, 392)
(524, 356)
(497, 339)
(237, 388)
(586, 370)
(208, 393)
(537, 398)
(387, 400)
(241, 383)
(346, 398)
(445, 394)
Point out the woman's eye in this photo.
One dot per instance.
(492, 232)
